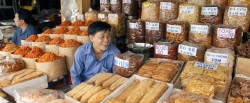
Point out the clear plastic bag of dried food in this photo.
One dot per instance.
(116, 6)
(177, 31)
(221, 3)
(189, 12)
(227, 36)
(168, 10)
(117, 20)
(136, 31)
(201, 34)
(243, 50)
(239, 2)
(91, 15)
(198, 2)
(212, 14)
(128, 63)
(105, 4)
(190, 51)
(130, 7)
(166, 50)
(103, 16)
(238, 16)
(9, 65)
(155, 31)
(150, 11)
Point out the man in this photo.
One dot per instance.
(23, 20)
(96, 56)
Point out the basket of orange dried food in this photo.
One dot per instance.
(59, 32)
(29, 40)
(30, 58)
(8, 49)
(22, 51)
(53, 45)
(41, 41)
(72, 33)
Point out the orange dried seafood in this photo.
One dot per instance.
(23, 50)
(84, 33)
(48, 57)
(47, 31)
(32, 37)
(74, 31)
(43, 38)
(10, 48)
(78, 23)
(70, 43)
(56, 41)
(65, 23)
(61, 30)
(35, 52)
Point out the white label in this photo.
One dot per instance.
(173, 28)
(238, 11)
(113, 1)
(80, 17)
(100, 16)
(134, 25)
(206, 66)
(187, 50)
(209, 10)
(166, 5)
(161, 49)
(225, 33)
(126, 1)
(152, 26)
(103, 1)
(201, 29)
(187, 9)
(121, 63)
(216, 57)
(112, 16)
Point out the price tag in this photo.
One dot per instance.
(126, 1)
(161, 49)
(205, 66)
(80, 17)
(187, 9)
(113, 1)
(152, 26)
(187, 50)
(112, 16)
(121, 63)
(209, 11)
(173, 28)
(103, 1)
(226, 33)
(165, 5)
(238, 11)
(100, 16)
(216, 57)
(134, 25)
(201, 29)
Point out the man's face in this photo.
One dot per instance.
(101, 40)
(18, 22)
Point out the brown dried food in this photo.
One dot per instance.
(78, 23)
(186, 97)
(166, 50)
(168, 10)
(91, 15)
(56, 41)
(35, 52)
(136, 31)
(43, 38)
(74, 31)
(61, 30)
(237, 16)
(130, 7)
(221, 3)
(11, 65)
(243, 49)
(116, 6)
(105, 5)
(198, 2)
(117, 21)
(189, 12)
(227, 36)
(201, 34)
(48, 57)
(150, 11)
(47, 31)
(65, 23)
(177, 31)
(154, 32)
(10, 48)
(239, 2)
(70, 43)
(239, 92)
(23, 50)
(211, 14)
(32, 37)
(189, 51)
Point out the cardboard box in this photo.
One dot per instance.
(242, 67)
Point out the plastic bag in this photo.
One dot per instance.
(239, 2)
(150, 11)
(130, 7)
(127, 64)
(201, 34)
(189, 12)
(103, 16)
(167, 50)
(168, 10)
(239, 91)
(154, 31)
(177, 31)
(221, 3)
(237, 16)
(105, 4)
(117, 21)
(91, 15)
(190, 51)
(116, 6)
(227, 36)
(198, 2)
(136, 31)
(211, 14)
(9, 65)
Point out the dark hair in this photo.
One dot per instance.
(25, 15)
(98, 26)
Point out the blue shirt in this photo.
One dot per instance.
(19, 35)
(86, 66)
